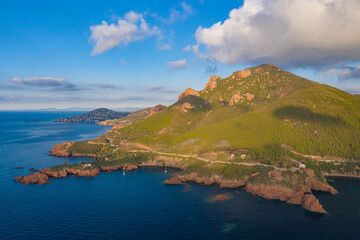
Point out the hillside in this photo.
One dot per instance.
(133, 117)
(97, 115)
(265, 129)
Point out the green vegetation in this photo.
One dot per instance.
(226, 171)
(127, 158)
(272, 108)
(85, 148)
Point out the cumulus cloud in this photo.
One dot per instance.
(58, 84)
(286, 32)
(181, 64)
(132, 27)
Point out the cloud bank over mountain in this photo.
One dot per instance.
(286, 32)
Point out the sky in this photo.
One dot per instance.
(127, 55)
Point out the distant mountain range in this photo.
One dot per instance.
(97, 115)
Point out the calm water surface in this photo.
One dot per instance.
(138, 205)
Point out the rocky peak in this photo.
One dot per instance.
(156, 109)
(212, 82)
(188, 92)
(244, 73)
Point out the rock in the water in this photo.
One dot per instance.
(39, 178)
(220, 197)
(311, 203)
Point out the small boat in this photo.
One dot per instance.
(124, 173)
(165, 170)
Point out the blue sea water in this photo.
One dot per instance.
(138, 205)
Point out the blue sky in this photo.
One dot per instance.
(127, 55)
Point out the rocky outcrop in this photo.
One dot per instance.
(188, 92)
(193, 177)
(319, 186)
(270, 192)
(33, 178)
(249, 96)
(307, 201)
(244, 73)
(83, 173)
(311, 203)
(54, 174)
(61, 150)
(235, 99)
(156, 109)
(212, 82)
(220, 197)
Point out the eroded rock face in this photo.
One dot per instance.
(84, 173)
(311, 203)
(235, 99)
(307, 201)
(249, 96)
(212, 82)
(33, 178)
(60, 150)
(188, 92)
(319, 186)
(156, 109)
(54, 174)
(193, 177)
(220, 197)
(244, 73)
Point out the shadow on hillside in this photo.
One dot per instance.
(305, 114)
(198, 103)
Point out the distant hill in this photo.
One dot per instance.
(97, 115)
(133, 117)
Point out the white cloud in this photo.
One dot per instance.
(58, 84)
(181, 64)
(180, 12)
(165, 47)
(286, 32)
(132, 27)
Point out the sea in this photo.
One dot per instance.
(138, 205)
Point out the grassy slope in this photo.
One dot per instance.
(312, 118)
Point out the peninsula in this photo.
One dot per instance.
(275, 134)
(97, 115)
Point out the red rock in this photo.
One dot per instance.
(60, 150)
(54, 174)
(319, 186)
(156, 109)
(297, 198)
(212, 82)
(311, 203)
(188, 92)
(220, 197)
(33, 178)
(232, 184)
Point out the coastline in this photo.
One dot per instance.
(341, 176)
